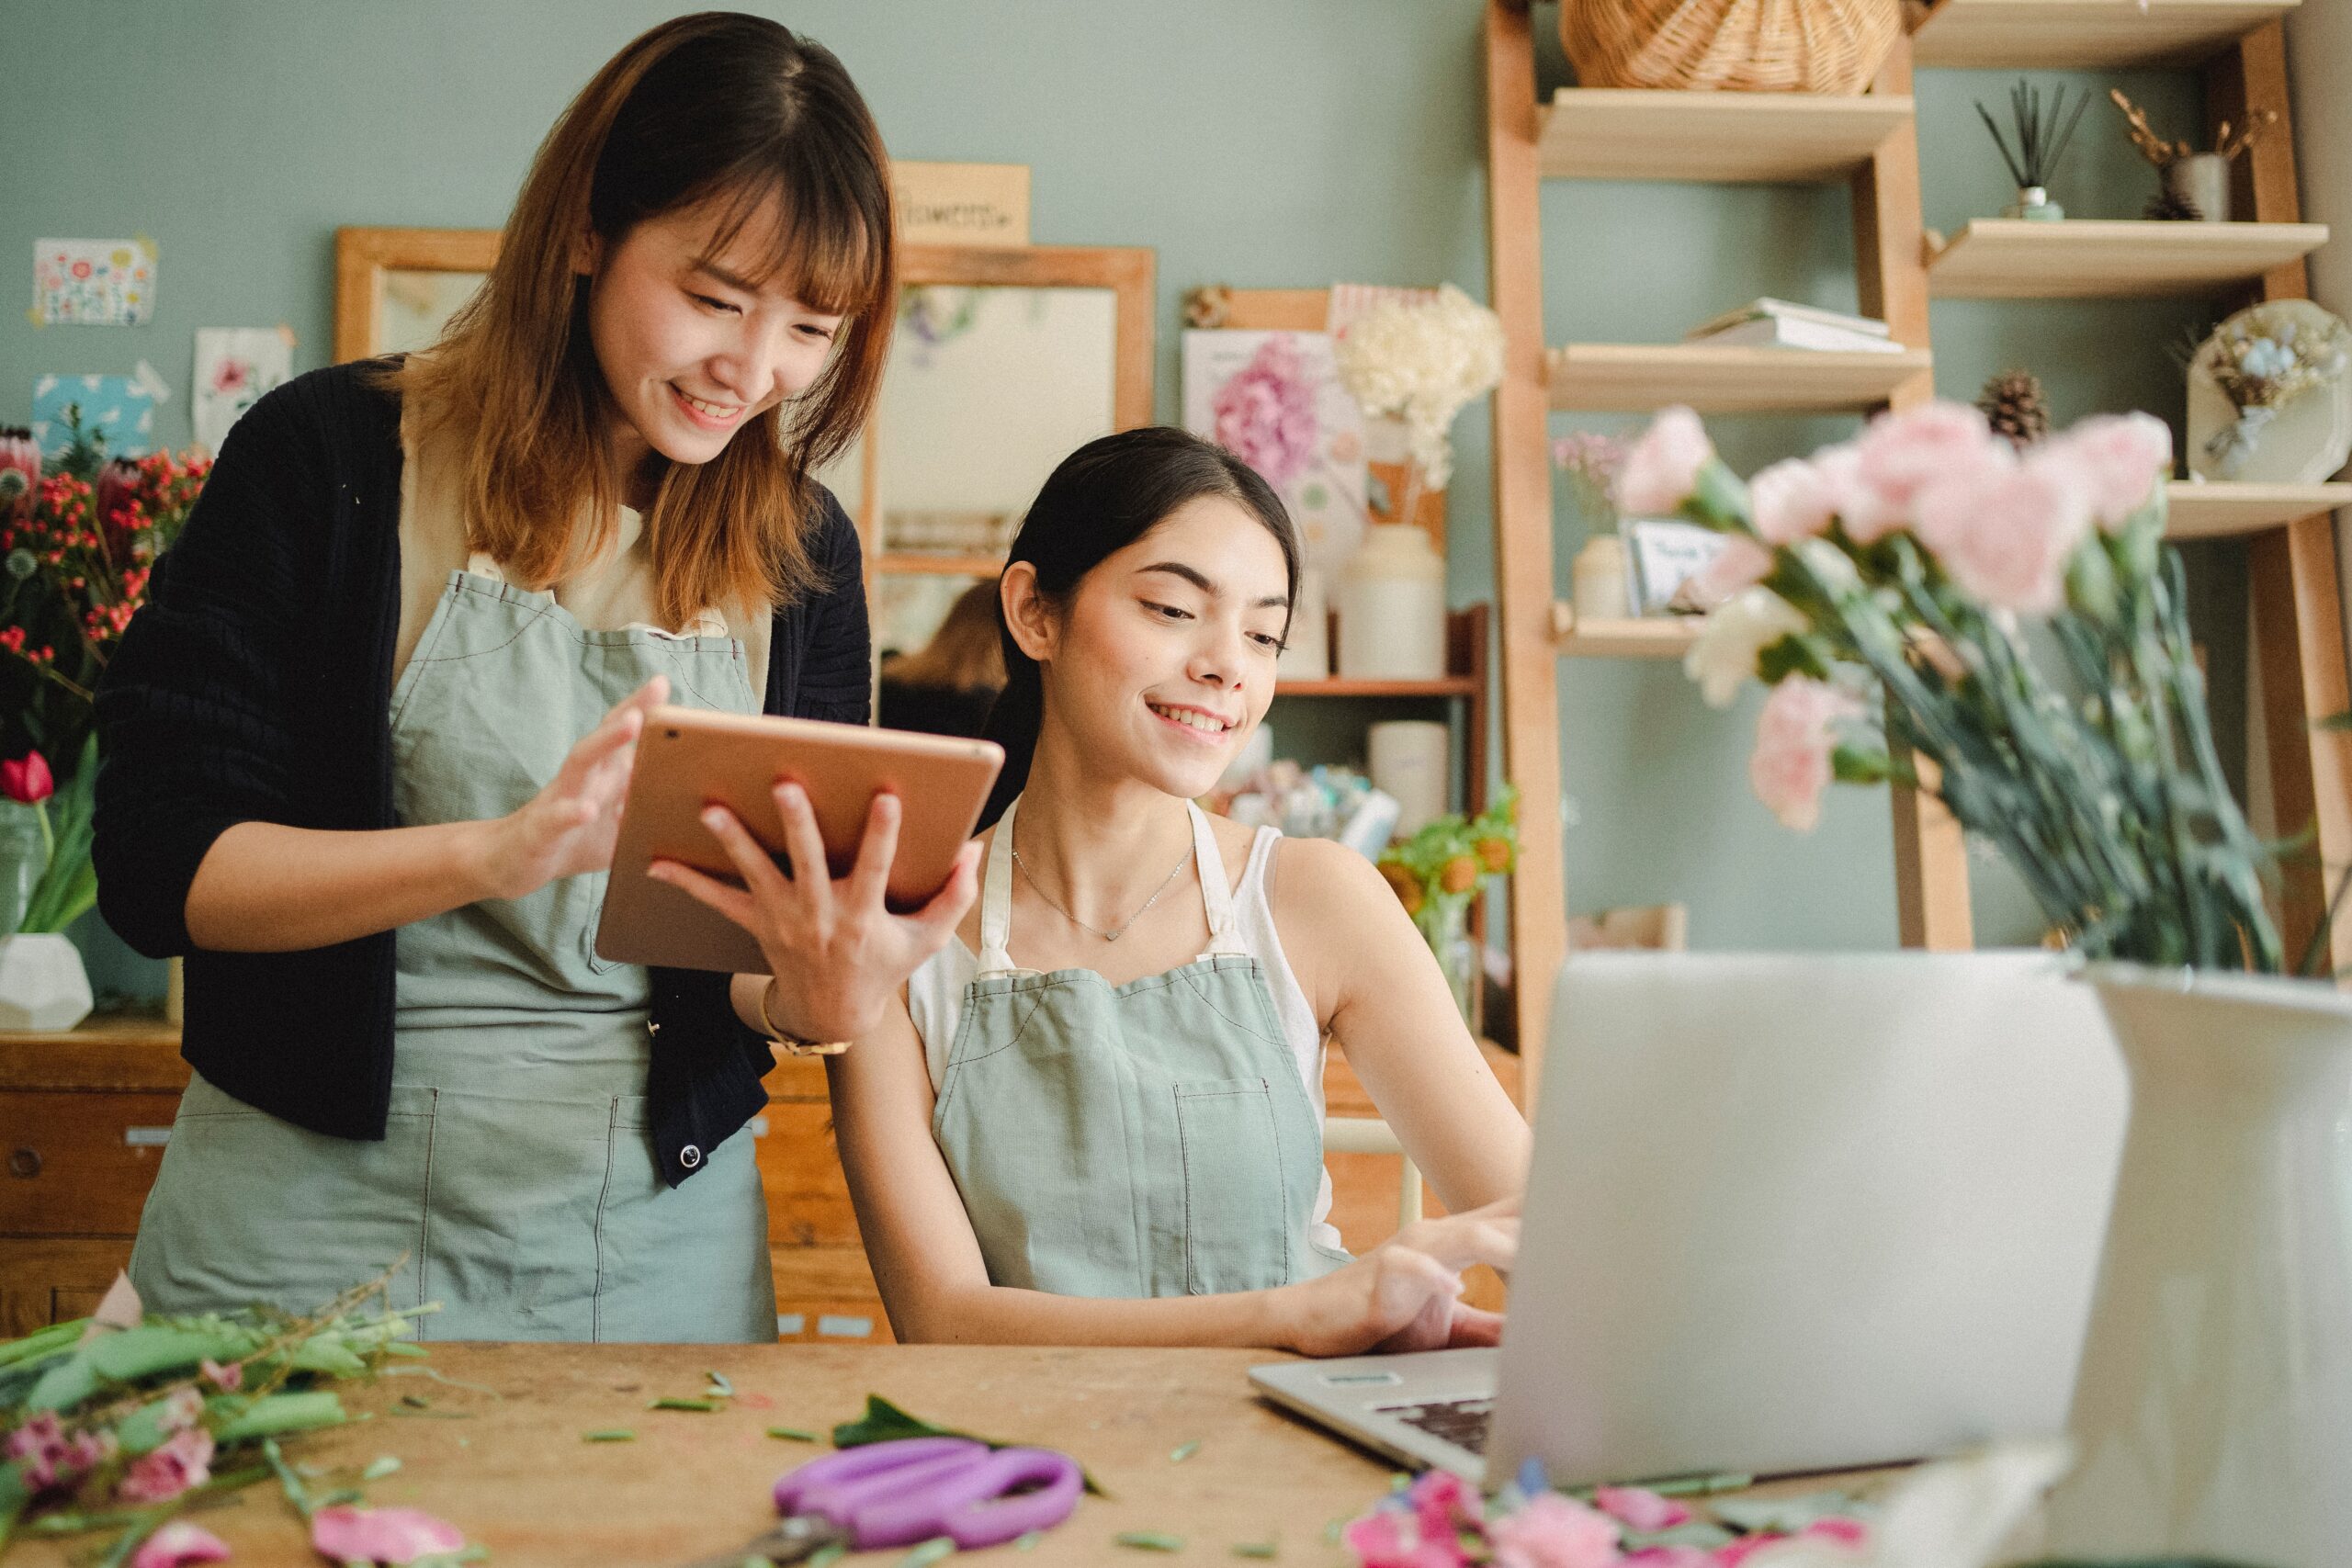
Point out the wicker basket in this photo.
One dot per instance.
(1745, 46)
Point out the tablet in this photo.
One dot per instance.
(690, 758)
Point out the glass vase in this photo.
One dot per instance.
(1445, 923)
(24, 855)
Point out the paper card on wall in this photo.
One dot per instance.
(961, 204)
(1275, 400)
(119, 408)
(235, 366)
(94, 283)
(1662, 555)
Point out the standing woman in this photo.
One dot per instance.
(366, 748)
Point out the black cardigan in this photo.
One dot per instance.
(255, 685)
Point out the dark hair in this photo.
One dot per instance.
(719, 109)
(1102, 498)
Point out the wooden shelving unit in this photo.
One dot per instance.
(1337, 686)
(1868, 142)
(1600, 377)
(2221, 509)
(1647, 637)
(927, 564)
(2087, 35)
(1764, 138)
(2007, 258)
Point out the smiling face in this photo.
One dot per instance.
(691, 347)
(1163, 660)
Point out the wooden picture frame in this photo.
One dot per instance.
(364, 259)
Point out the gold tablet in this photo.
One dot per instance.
(690, 758)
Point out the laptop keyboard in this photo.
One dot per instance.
(1461, 1422)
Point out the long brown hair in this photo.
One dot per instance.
(719, 110)
(962, 655)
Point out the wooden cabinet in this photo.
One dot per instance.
(83, 1118)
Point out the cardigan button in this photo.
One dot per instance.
(690, 1156)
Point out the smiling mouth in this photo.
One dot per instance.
(1191, 718)
(717, 415)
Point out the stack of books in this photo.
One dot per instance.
(1776, 324)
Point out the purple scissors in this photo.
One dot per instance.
(896, 1493)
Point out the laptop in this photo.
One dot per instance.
(1787, 1214)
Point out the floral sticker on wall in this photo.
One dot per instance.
(235, 366)
(1274, 399)
(94, 283)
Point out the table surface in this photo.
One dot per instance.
(500, 1450)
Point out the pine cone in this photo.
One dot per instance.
(2014, 405)
(2169, 206)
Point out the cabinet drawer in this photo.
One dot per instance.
(79, 1164)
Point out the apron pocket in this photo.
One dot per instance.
(1236, 1211)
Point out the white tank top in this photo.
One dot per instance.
(936, 997)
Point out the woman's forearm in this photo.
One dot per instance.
(996, 1315)
(265, 888)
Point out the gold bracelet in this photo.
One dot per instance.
(792, 1043)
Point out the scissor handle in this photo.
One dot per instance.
(839, 1484)
(979, 1504)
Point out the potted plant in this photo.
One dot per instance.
(78, 545)
(1437, 872)
(1884, 589)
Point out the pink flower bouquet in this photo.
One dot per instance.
(1903, 565)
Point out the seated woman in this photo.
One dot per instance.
(1098, 1117)
(946, 686)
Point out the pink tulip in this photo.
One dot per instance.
(2120, 458)
(1553, 1531)
(184, 1460)
(1742, 563)
(1662, 469)
(345, 1534)
(1794, 499)
(1641, 1510)
(178, 1544)
(1793, 744)
(1391, 1538)
(2004, 532)
(1900, 455)
(27, 780)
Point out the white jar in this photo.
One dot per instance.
(1598, 573)
(1392, 607)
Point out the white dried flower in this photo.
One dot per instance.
(1423, 361)
(1737, 631)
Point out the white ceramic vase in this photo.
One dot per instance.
(2212, 1413)
(42, 984)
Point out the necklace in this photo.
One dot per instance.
(1165, 883)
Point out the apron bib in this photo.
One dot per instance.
(516, 1171)
(1150, 1139)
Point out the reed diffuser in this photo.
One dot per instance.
(2041, 140)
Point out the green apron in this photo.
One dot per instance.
(1150, 1139)
(516, 1172)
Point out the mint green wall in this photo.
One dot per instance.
(1247, 142)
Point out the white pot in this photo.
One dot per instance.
(42, 984)
(2213, 1414)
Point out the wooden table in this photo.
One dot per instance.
(516, 1475)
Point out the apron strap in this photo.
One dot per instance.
(1216, 893)
(995, 893)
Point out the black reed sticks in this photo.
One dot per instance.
(2040, 141)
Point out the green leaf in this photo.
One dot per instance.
(1257, 1548)
(1028, 1541)
(274, 1415)
(379, 1467)
(720, 1386)
(929, 1552)
(792, 1434)
(50, 1342)
(884, 1422)
(65, 1384)
(291, 1483)
(825, 1556)
(1148, 1540)
(1184, 1451)
(610, 1435)
(672, 1402)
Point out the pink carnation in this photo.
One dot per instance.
(1791, 763)
(50, 1457)
(225, 1378)
(1742, 563)
(1839, 1528)
(184, 1460)
(1662, 469)
(1794, 499)
(345, 1534)
(1553, 1531)
(1265, 415)
(178, 1544)
(2004, 532)
(1901, 454)
(1668, 1556)
(1731, 1554)
(2119, 458)
(1393, 1537)
(1440, 1501)
(1640, 1509)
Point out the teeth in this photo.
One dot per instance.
(1198, 720)
(715, 411)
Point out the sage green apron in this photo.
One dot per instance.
(516, 1173)
(1150, 1139)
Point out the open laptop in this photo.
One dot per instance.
(1787, 1214)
